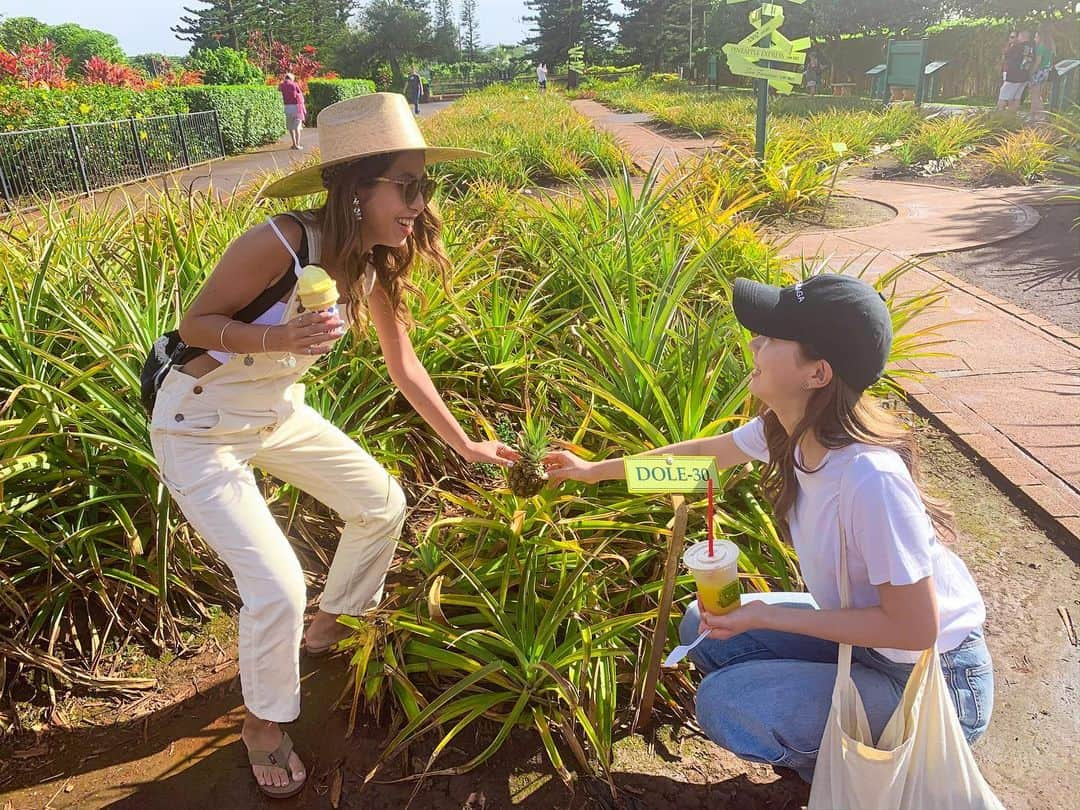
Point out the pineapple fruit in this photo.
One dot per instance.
(527, 476)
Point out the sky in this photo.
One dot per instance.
(143, 27)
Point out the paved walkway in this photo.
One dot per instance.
(1009, 384)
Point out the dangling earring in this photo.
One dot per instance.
(358, 212)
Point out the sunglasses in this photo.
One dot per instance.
(411, 188)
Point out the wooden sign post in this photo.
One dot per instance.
(677, 476)
(768, 44)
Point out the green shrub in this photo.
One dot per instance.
(612, 70)
(250, 115)
(941, 138)
(35, 108)
(79, 44)
(324, 92)
(224, 66)
(1019, 157)
(18, 31)
(384, 77)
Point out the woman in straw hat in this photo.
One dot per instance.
(239, 404)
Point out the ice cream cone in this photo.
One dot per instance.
(316, 289)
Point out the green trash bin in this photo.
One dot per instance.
(1063, 85)
(877, 81)
(931, 73)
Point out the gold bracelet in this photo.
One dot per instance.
(265, 333)
(221, 337)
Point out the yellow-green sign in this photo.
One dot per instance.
(743, 55)
(774, 76)
(750, 53)
(678, 474)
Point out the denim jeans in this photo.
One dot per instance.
(766, 695)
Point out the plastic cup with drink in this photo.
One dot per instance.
(714, 564)
(716, 576)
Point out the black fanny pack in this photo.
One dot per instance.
(170, 350)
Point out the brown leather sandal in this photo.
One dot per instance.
(278, 758)
(319, 652)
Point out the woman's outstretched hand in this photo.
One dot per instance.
(490, 452)
(562, 465)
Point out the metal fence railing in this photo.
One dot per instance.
(456, 87)
(81, 158)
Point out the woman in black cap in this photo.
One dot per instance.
(840, 471)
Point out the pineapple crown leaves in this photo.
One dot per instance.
(536, 426)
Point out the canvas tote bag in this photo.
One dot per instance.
(921, 760)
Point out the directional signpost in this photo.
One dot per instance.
(766, 44)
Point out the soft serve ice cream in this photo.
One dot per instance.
(317, 290)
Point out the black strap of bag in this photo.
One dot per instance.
(170, 350)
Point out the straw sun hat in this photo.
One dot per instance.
(374, 124)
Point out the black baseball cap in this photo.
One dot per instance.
(842, 318)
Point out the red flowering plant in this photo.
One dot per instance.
(101, 71)
(9, 65)
(40, 65)
(257, 50)
(166, 74)
(276, 58)
(304, 65)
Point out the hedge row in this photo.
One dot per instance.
(324, 92)
(971, 47)
(38, 108)
(250, 114)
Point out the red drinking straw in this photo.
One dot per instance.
(709, 524)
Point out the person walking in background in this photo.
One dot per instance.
(1042, 64)
(812, 76)
(541, 77)
(292, 95)
(414, 89)
(1017, 73)
(1005, 51)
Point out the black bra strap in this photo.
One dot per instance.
(266, 299)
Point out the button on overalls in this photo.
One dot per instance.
(207, 433)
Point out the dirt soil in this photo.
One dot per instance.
(967, 172)
(842, 212)
(1039, 270)
(188, 755)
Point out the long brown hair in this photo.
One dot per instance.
(340, 232)
(839, 415)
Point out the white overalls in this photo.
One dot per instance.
(207, 433)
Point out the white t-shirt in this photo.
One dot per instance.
(889, 534)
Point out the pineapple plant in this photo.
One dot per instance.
(527, 476)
